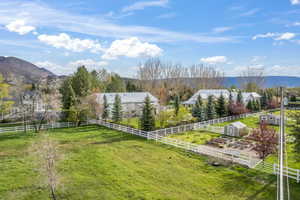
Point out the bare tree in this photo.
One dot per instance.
(47, 156)
(156, 77)
(252, 79)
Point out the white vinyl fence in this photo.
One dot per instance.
(200, 125)
(43, 127)
(234, 156)
(274, 169)
(229, 155)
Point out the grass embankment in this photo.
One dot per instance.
(99, 163)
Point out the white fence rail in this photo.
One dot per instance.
(43, 127)
(200, 125)
(274, 169)
(228, 155)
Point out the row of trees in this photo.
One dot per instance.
(167, 80)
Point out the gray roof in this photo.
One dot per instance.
(206, 93)
(217, 93)
(238, 124)
(127, 97)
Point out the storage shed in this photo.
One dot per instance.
(235, 129)
(269, 119)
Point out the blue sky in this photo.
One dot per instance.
(119, 34)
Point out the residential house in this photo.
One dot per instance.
(132, 102)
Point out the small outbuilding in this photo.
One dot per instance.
(236, 129)
(269, 119)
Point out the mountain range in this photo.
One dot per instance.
(15, 69)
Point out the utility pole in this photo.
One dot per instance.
(281, 191)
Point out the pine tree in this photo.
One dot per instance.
(210, 108)
(239, 99)
(221, 107)
(250, 105)
(258, 106)
(105, 113)
(176, 104)
(117, 109)
(264, 100)
(198, 109)
(147, 120)
(81, 82)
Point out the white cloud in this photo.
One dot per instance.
(296, 24)
(267, 35)
(166, 16)
(295, 2)
(43, 16)
(19, 26)
(55, 68)
(63, 40)
(71, 67)
(285, 36)
(140, 5)
(132, 48)
(250, 12)
(89, 63)
(280, 70)
(276, 36)
(214, 59)
(222, 29)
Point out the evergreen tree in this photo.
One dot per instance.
(147, 120)
(239, 98)
(81, 82)
(221, 106)
(210, 108)
(250, 105)
(176, 104)
(258, 106)
(117, 109)
(105, 113)
(68, 96)
(198, 109)
(264, 100)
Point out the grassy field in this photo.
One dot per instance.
(98, 163)
(196, 137)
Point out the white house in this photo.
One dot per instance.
(132, 102)
(205, 94)
(247, 96)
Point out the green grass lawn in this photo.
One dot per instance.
(99, 163)
(196, 137)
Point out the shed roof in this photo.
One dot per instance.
(238, 124)
(127, 97)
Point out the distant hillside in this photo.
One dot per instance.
(15, 69)
(270, 81)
